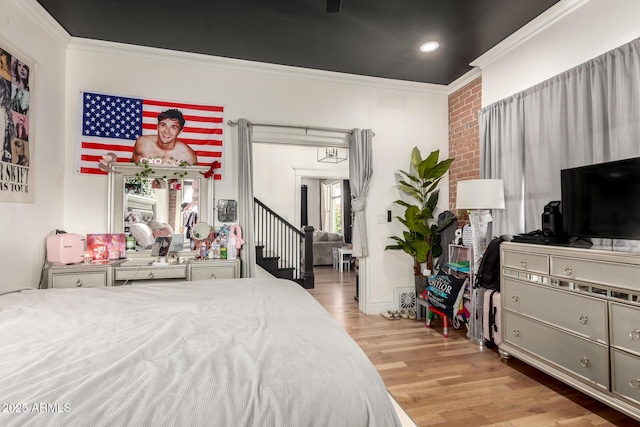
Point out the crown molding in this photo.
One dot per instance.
(187, 58)
(531, 29)
(464, 80)
(35, 11)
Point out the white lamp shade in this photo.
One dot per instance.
(480, 194)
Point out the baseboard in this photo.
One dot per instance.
(379, 307)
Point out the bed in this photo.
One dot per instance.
(243, 352)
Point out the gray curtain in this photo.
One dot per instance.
(589, 114)
(245, 198)
(360, 171)
(502, 148)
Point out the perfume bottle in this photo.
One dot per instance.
(203, 250)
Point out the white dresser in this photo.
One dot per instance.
(575, 314)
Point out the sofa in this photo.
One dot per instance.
(323, 244)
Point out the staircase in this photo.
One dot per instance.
(282, 249)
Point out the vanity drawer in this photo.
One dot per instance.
(583, 315)
(625, 377)
(606, 273)
(534, 263)
(625, 327)
(79, 280)
(214, 269)
(204, 273)
(583, 358)
(151, 272)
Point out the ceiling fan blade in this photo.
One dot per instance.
(333, 6)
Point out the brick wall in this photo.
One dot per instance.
(464, 140)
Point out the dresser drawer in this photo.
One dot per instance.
(79, 280)
(625, 327)
(580, 314)
(598, 272)
(534, 263)
(625, 377)
(151, 273)
(583, 358)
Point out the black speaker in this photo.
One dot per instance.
(552, 219)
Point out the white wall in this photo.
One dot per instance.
(401, 114)
(25, 226)
(591, 29)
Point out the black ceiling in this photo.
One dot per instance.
(366, 37)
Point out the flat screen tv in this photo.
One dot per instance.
(602, 200)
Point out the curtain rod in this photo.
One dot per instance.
(307, 128)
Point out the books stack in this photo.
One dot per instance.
(461, 266)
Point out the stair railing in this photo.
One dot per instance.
(281, 238)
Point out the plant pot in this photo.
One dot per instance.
(421, 283)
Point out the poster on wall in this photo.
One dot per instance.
(16, 89)
(149, 130)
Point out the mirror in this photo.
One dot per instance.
(201, 231)
(168, 200)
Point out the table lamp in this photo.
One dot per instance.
(479, 196)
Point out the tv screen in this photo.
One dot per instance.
(602, 200)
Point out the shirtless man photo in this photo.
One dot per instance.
(165, 147)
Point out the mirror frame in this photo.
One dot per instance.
(116, 197)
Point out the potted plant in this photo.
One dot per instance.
(421, 240)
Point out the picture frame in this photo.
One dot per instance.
(227, 210)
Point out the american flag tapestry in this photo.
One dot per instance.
(116, 124)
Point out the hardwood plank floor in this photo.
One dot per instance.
(451, 381)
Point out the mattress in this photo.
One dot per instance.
(243, 352)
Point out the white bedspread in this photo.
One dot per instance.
(245, 352)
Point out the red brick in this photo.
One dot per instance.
(464, 143)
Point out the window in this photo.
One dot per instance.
(332, 206)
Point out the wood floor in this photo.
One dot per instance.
(451, 381)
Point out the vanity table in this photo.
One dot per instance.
(138, 270)
(132, 195)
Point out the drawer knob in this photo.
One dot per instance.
(79, 283)
(213, 276)
(516, 333)
(584, 362)
(515, 298)
(523, 264)
(634, 383)
(583, 319)
(151, 276)
(568, 271)
(634, 335)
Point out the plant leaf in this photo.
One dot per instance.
(426, 166)
(440, 169)
(408, 175)
(416, 158)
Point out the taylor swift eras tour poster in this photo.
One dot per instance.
(16, 149)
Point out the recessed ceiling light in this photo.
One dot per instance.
(429, 46)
